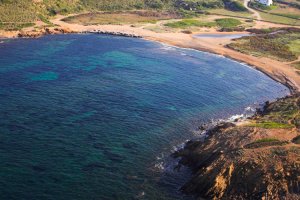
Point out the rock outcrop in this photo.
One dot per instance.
(114, 33)
(43, 31)
(256, 159)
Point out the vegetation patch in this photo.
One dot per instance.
(15, 26)
(198, 4)
(281, 44)
(279, 19)
(16, 12)
(186, 23)
(295, 46)
(228, 22)
(265, 142)
(270, 125)
(290, 15)
(296, 65)
(285, 111)
(296, 140)
(234, 6)
(226, 12)
(129, 17)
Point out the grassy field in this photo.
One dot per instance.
(286, 11)
(228, 22)
(279, 12)
(230, 13)
(187, 23)
(295, 46)
(279, 19)
(220, 23)
(270, 125)
(131, 17)
(14, 13)
(283, 46)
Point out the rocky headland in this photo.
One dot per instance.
(43, 31)
(54, 31)
(258, 158)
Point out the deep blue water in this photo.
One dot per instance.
(91, 116)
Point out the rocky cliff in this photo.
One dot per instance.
(255, 159)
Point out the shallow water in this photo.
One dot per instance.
(229, 36)
(95, 117)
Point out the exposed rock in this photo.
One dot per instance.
(114, 33)
(31, 34)
(43, 31)
(248, 161)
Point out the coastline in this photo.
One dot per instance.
(293, 89)
(278, 71)
(272, 72)
(278, 76)
(236, 160)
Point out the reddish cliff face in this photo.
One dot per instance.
(255, 159)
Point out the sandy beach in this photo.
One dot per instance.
(277, 70)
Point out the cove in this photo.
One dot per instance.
(93, 116)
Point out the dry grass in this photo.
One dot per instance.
(279, 19)
(132, 17)
(230, 13)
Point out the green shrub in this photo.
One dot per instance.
(228, 22)
(198, 4)
(283, 46)
(270, 125)
(296, 140)
(265, 142)
(234, 6)
(185, 23)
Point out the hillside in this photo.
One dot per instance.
(16, 14)
(257, 159)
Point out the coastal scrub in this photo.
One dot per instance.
(234, 161)
(270, 125)
(186, 23)
(228, 22)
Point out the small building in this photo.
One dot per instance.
(266, 2)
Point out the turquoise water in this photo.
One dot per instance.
(95, 117)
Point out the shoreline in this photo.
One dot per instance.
(292, 88)
(276, 70)
(277, 76)
(280, 78)
(203, 154)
